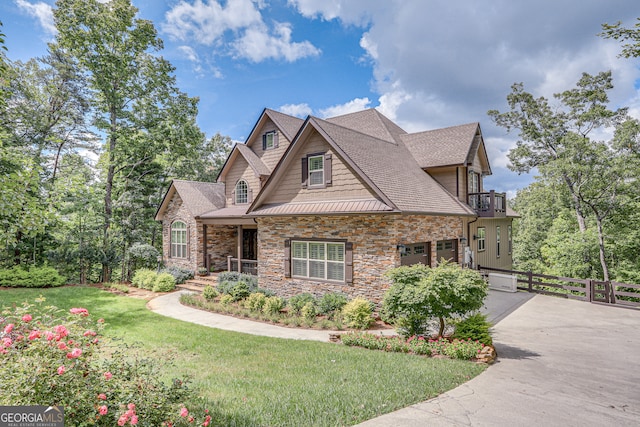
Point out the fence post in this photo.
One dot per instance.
(589, 289)
(610, 290)
(530, 278)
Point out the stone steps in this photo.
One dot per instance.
(198, 283)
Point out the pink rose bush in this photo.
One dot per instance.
(71, 364)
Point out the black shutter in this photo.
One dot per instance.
(327, 169)
(264, 142)
(287, 258)
(305, 172)
(348, 263)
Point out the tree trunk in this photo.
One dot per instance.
(603, 259)
(576, 205)
(108, 209)
(441, 329)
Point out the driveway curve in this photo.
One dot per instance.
(560, 363)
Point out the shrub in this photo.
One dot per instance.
(273, 305)
(118, 287)
(180, 274)
(234, 276)
(226, 300)
(209, 293)
(296, 302)
(143, 255)
(65, 360)
(255, 302)
(34, 277)
(164, 282)
(309, 311)
(475, 328)
(357, 313)
(331, 303)
(403, 304)
(144, 278)
(240, 291)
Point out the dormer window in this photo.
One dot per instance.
(242, 192)
(316, 170)
(269, 140)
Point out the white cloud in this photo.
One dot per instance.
(238, 25)
(43, 12)
(297, 110)
(352, 106)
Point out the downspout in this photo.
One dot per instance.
(469, 235)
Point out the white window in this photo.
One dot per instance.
(242, 192)
(269, 140)
(482, 239)
(474, 182)
(178, 240)
(316, 170)
(318, 260)
(498, 242)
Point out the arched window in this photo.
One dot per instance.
(179, 240)
(242, 192)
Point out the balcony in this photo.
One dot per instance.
(488, 205)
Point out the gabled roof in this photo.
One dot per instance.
(382, 163)
(288, 125)
(370, 122)
(258, 167)
(452, 146)
(197, 197)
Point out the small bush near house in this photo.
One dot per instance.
(226, 300)
(144, 278)
(309, 311)
(34, 277)
(180, 274)
(296, 302)
(475, 328)
(273, 305)
(164, 282)
(65, 360)
(255, 302)
(403, 304)
(357, 313)
(331, 303)
(209, 293)
(240, 291)
(235, 277)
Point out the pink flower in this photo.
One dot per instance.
(61, 331)
(61, 370)
(184, 412)
(6, 341)
(131, 406)
(89, 333)
(207, 420)
(103, 410)
(75, 353)
(8, 328)
(49, 335)
(100, 320)
(34, 335)
(122, 420)
(134, 420)
(102, 396)
(108, 375)
(27, 318)
(62, 346)
(81, 311)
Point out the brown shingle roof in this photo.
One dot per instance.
(392, 171)
(254, 161)
(370, 122)
(197, 197)
(443, 147)
(328, 207)
(289, 125)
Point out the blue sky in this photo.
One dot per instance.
(424, 64)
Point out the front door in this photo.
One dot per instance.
(416, 253)
(447, 249)
(250, 243)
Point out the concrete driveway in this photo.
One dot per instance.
(560, 363)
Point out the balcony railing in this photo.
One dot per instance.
(491, 204)
(248, 266)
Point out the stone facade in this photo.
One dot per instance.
(176, 211)
(374, 238)
(221, 242)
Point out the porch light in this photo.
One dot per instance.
(401, 248)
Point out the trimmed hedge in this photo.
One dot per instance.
(35, 277)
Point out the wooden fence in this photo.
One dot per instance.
(622, 294)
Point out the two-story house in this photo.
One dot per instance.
(329, 205)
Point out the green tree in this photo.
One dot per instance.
(138, 106)
(618, 32)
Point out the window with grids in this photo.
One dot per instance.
(178, 240)
(316, 170)
(318, 260)
(242, 192)
(481, 239)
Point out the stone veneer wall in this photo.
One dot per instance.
(176, 211)
(374, 239)
(221, 242)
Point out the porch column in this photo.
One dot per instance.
(205, 256)
(239, 248)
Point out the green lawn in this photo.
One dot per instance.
(258, 381)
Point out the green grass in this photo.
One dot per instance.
(258, 381)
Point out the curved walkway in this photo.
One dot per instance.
(560, 363)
